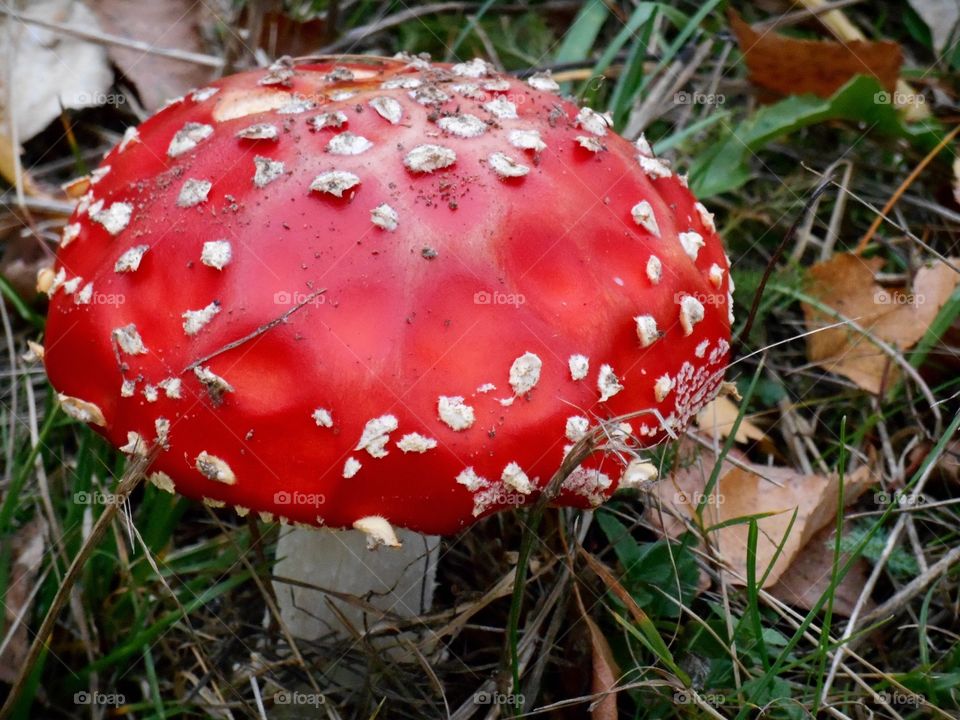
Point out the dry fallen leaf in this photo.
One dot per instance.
(604, 673)
(742, 493)
(717, 417)
(172, 24)
(791, 66)
(956, 180)
(27, 548)
(808, 577)
(896, 316)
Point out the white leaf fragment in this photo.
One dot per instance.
(130, 260)
(454, 412)
(376, 434)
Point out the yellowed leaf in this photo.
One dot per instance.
(896, 316)
(743, 493)
(717, 417)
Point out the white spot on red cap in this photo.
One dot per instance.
(130, 260)
(171, 387)
(706, 217)
(716, 275)
(267, 171)
(85, 295)
(701, 350)
(644, 216)
(608, 383)
(470, 480)
(662, 387)
(213, 468)
(428, 158)
(203, 94)
(637, 474)
(195, 320)
(465, 126)
(378, 530)
(99, 174)
(129, 340)
(150, 393)
(216, 254)
(642, 146)
(136, 445)
(193, 192)
(691, 312)
(454, 412)
(388, 108)
(590, 143)
(428, 95)
(579, 366)
(476, 68)
(115, 218)
(653, 168)
(526, 140)
(162, 428)
(259, 131)
(130, 135)
(376, 434)
(215, 385)
(351, 467)
(297, 105)
(348, 143)
(594, 122)
(654, 269)
(128, 388)
(516, 479)
(505, 166)
(543, 81)
(334, 182)
(385, 217)
(81, 410)
(647, 330)
(188, 137)
(588, 483)
(405, 82)
(333, 119)
(486, 387)
(577, 427)
(501, 108)
(417, 443)
(525, 373)
(691, 243)
(70, 233)
(499, 84)
(322, 417)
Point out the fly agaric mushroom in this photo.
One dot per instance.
(376, 293)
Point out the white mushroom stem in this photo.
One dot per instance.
(394, 571)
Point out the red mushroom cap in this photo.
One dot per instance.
(384, 288)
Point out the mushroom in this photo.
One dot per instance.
(383, 294)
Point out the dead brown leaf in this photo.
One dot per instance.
(897, 316)
(173, 23)
(808, 577)
(27, 548)
(717, 417)
(791, 66)
(743, 493)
